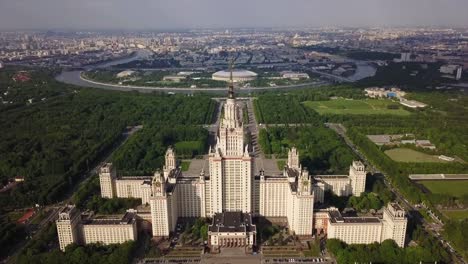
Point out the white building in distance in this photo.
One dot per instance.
(294, 75)
(452, 71)
(237, 76)
(126, 73)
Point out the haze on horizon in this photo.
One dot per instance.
(175, 14)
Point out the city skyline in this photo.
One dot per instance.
(184, 14)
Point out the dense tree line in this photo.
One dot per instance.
(377, 196)
(155, 63)
(17, 93)
(144, 152)
(410, 75)
(281, 109)
(10, 233)
(286, 108)
(51, 143)
(457, 233)
(108, 206)
(321, 150)
(428, 250)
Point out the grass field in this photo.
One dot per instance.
(409, 155)
(280, 164)
(456, 214)
(185, 165)
(356, 107)
(455, 188)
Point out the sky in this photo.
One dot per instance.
(183, 14)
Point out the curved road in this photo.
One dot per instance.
(75, 78)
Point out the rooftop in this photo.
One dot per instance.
(232, 222)
(127, 218)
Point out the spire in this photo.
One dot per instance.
(231, 81)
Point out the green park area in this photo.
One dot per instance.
(456, 214)
(357, 107)
(454, 188)
(409, 155)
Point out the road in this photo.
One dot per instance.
(432, 228)
(75, 78)
(53, 209)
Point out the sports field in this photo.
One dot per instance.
(356, 107)
(409, 155)
(455, 188)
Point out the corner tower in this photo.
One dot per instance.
(357, 175)
(107, 177)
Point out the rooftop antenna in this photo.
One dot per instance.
(231, 80)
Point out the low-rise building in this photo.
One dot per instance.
(72, 228)
(231, 229)
(452, 71)
(126, 73)
(413, 104)
(174, 78)
(377, 92)
(294, 75)
(364, 230)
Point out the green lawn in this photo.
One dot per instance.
(455, 188)
(409, 155)
(281, 164)
(185, 165)
(457, 214)
(356, 107)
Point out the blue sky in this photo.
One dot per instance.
(169, 14)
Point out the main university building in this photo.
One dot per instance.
(231, 194)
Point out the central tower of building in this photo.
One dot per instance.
(230, 164)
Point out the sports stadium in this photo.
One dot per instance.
(237, 75)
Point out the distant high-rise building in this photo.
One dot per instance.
(405, 57)
(458, 75)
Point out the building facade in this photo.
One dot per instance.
(231, 229)
(364, 230)
(231, 188)
(72, 228)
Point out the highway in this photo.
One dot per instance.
(76, 78)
